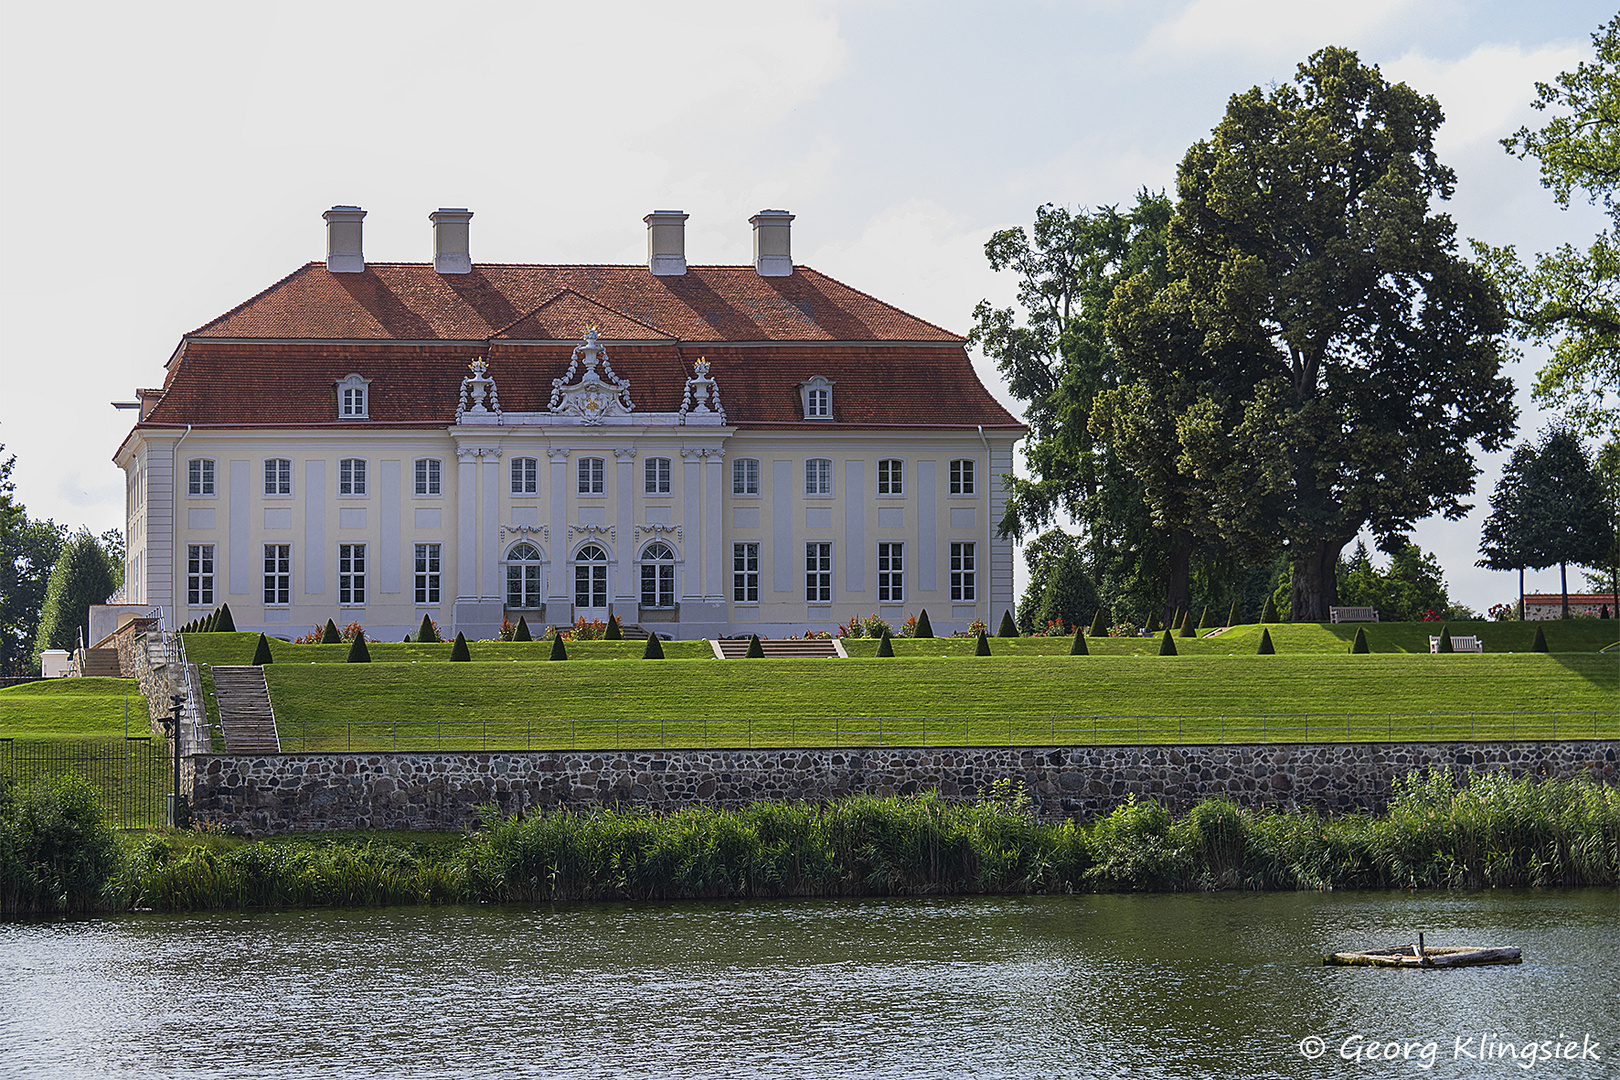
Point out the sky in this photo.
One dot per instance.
(161, 163)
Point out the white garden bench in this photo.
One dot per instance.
(1458, 644)
(1352, 614)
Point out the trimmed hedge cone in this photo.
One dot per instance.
(358, 653)
(756, 651)
(522, 632)
(1266, 647)
(558, 650)
(1445, 645)
(1167, 645)
(1360, 644)
(1153, 626)
(885, 646)
(1540, 644)
(1231, 616)
(426, 632)
(1079, 646)
(223, 623)
(653, 650)
(981, 647)
(612, 632)
(1099, 625)
(1008, 628)
(1269, 612)
(261, 652)
(330, 635)
(459, 653)
(924, 627)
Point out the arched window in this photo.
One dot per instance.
(590, 579)
(524, 577)
(657, 575)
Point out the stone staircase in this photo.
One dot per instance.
(245, 716)
(102, 662)
(815, 648)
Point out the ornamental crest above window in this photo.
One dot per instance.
(596, 395)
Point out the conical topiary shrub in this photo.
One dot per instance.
(261, 652)
(209, 621)
(522, 632)
(426, 633)
(1153, 626)
(1167, 644)
(612, 632)
(358, 653)
(1231, 616)
(1203, 620)
(924, 627)
(223, 623)
(654, 650)
(459, 653)
(1008, 628)
(885, 646)
(1099, 624)
(1360, 644)
(330, 635)
(1079, 646)
(1266, 647)
(559, 651)
(1187, 627)
(1540, 644)
(1445, 645)
(1269, 612)
(756, 651)
(981, 647)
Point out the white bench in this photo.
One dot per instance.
(1458, 644)
(1352, 614)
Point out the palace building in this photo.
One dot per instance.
(700, 450)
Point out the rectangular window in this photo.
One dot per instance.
(200, 574)
(818, 476)
(962, 572)
(657, 469)
(277, 476)
(591, 473)
(818, 573)
(891, 477)
(962, 477)
(427, 573)
(351, 573)
(817, 404)
(427, 476)
(745, 573)
(352, 476)
(745, 476)
(891, 574)
(353, 400)
(277, 574)
(200, 476)
(658, 584)
(525, 471)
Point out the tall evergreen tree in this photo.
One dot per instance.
(82, 576)
(1504, 540)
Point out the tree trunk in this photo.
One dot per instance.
(1521, 594)
(1563, 583)
(1178, 591)
(1316, 583)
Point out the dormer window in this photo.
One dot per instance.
(817, 398)
(353, 394)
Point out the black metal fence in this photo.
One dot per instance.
(132, 776)
(1086, 729)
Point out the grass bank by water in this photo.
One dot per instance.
(55, 855)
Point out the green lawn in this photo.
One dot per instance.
(943, 699)
(210, 649)
(72, 709)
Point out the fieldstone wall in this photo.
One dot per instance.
(307, 792)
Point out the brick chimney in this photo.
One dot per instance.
(344, 255)
(666, 242)
(773, 250)
(451, 255)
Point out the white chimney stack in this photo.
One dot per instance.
(451, 254)
(773, 250)
(344, 255)
(666, 242)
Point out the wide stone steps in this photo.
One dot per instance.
(815, 648)
(102, 663)
(245, 716)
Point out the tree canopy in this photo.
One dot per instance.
(1324, 354)
(82, 576)
(1570, 298)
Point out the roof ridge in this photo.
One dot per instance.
(593, 301)
(267, 290)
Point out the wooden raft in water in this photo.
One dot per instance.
(1410, 956)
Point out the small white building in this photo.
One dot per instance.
(702, 450)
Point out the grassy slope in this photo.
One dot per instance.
(72, 709)
(213, 649)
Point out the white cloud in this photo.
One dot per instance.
(1265, 26)
(1487, 93)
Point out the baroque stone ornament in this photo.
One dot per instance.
(597, 395)
(478, 396)
(701, 402)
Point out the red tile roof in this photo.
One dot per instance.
(413, 302)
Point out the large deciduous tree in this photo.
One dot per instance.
(1570, 298)
(1346, 356)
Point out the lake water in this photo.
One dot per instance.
(1222, 985)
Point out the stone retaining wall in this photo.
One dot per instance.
(443, 790)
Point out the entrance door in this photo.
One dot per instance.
(591, 583)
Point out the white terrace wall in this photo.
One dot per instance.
(443, 790)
